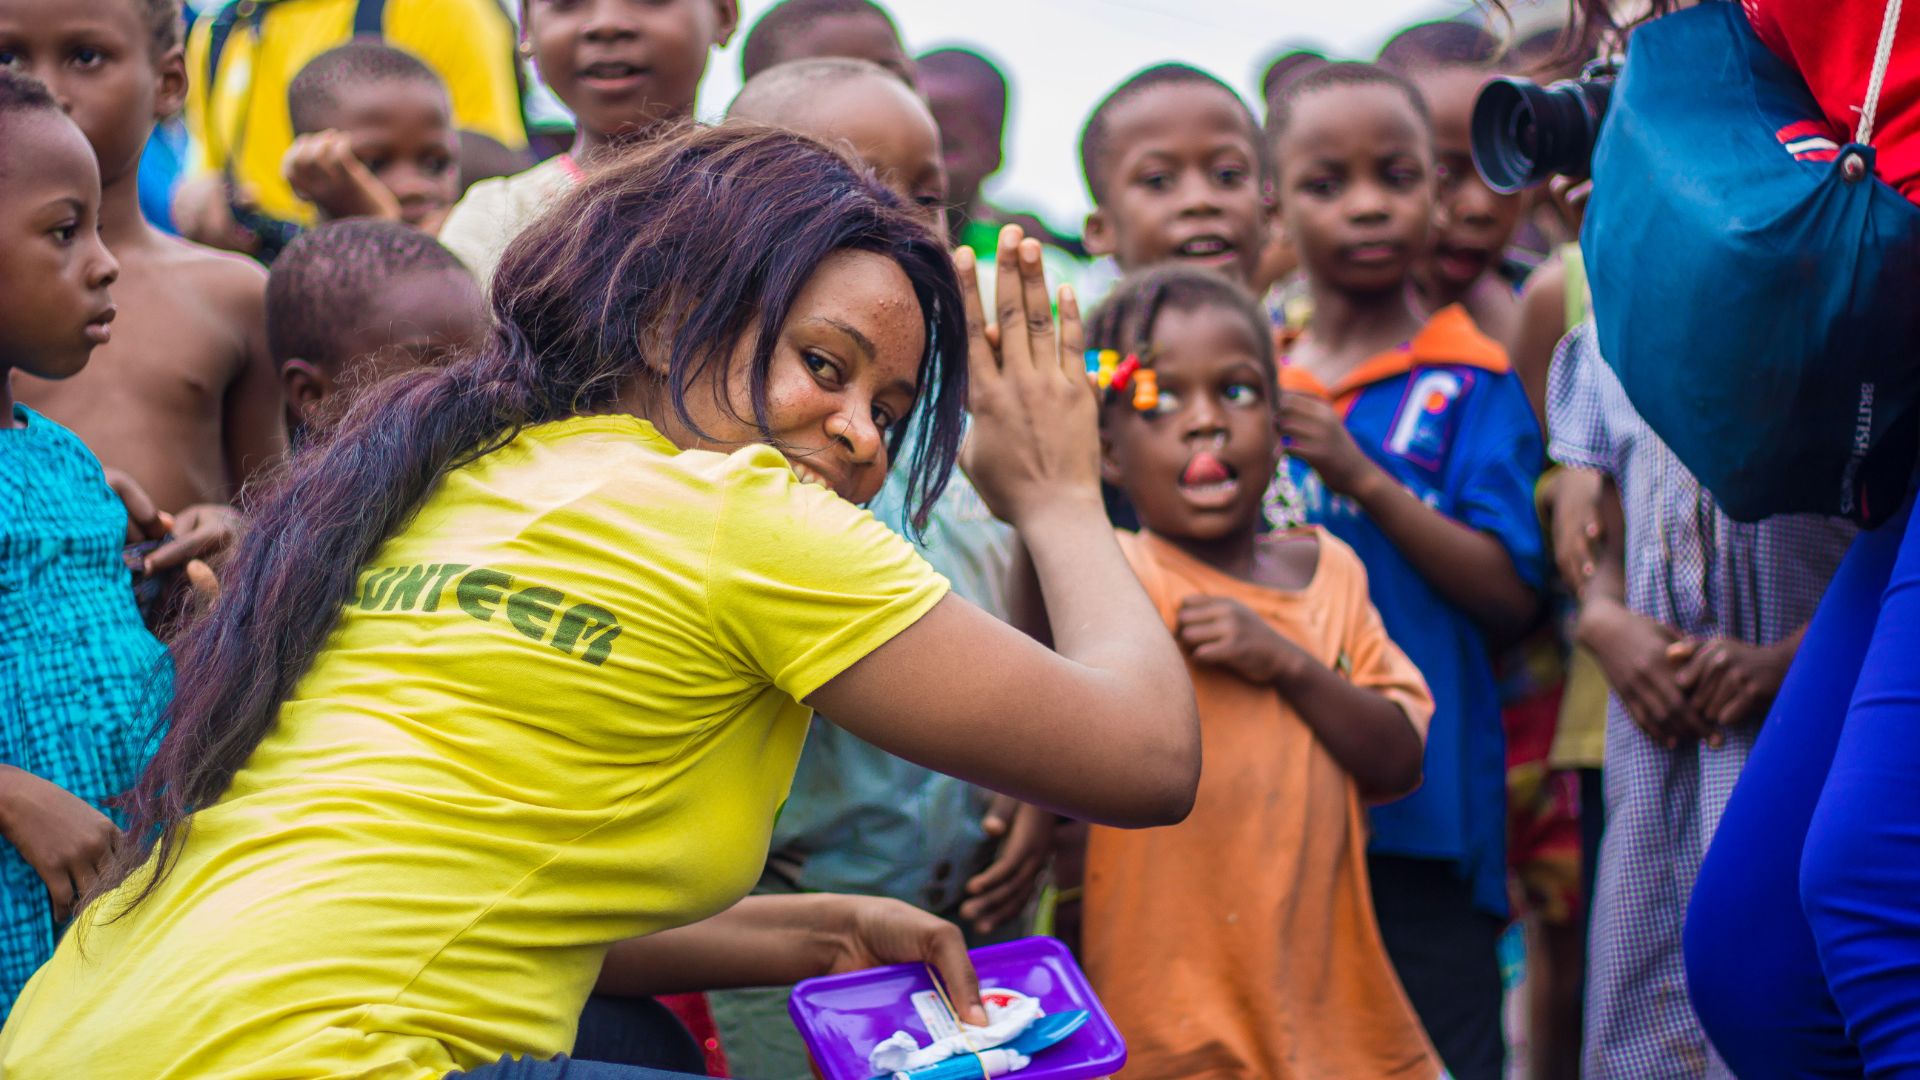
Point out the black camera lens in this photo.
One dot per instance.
(1524, 133)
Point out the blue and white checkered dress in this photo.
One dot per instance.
(1703, 574)
(80, 676)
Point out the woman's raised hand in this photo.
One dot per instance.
(1035, 438)
(1102, 726)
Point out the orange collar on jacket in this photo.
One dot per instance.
(1450, 337)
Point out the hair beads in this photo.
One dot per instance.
(1110, 373)
(1146, 390)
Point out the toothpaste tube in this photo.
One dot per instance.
(985, 1065)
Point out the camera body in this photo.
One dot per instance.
(1523, 133)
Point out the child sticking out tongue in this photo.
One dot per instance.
(1205, 469)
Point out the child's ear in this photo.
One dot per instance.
(170, 96)
(306, 386)
(727, 14)
(1097, 236)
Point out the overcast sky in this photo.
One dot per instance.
(1062, 56)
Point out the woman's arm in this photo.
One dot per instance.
(1104, 728)
(780, 940)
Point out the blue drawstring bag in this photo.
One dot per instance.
(1755, 287)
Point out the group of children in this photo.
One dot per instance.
(1336, 471)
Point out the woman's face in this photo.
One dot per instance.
(845, 371)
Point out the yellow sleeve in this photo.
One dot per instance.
(477, 63)
(802, 583)
(1376, 663)
(199, 41)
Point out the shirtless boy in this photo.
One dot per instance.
(185, 399)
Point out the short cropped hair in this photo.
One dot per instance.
(769, 93)
(335, 268)
(1286, 68)
(1096, 135)
(970, 65)
(1448, 43)
(762, 47)
(1334, 76)
(166, 24)
(313, 95)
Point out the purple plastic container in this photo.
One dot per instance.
(843, 1017)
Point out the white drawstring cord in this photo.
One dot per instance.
(1881, 57)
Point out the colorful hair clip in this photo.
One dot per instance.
(1123, 374)
(1146, 390)
(1093, 361)
(1108, 361)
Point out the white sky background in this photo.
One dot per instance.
(1062, 56)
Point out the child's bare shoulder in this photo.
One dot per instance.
(219, 299)
(223, 275)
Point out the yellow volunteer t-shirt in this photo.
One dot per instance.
(560, 710)
(243, 115)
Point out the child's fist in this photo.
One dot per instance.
(1226, 633)
(1000, 892)
(1729, 682)
(321, 169)
(1636, 655)
(65, 840)
(1317, 436)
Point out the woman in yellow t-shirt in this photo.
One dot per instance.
(510, 667)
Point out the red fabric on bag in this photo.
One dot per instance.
(1831, 43)
(693, 1011)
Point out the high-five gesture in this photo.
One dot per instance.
(1035, 424)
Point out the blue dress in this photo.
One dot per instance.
(81, 679)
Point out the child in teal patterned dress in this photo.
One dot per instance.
(80, 676)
